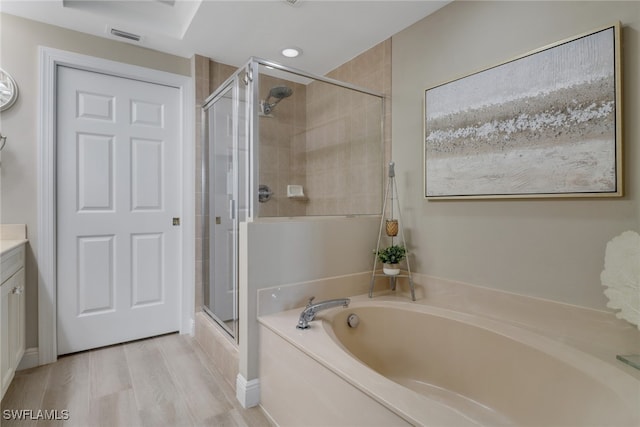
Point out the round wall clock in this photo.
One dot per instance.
(8, 90)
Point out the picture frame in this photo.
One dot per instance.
(545, 124)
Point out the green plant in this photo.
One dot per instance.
(392, 254)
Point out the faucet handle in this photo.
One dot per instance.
(310, 301)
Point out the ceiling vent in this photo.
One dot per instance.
(125, 35)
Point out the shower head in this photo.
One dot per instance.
(277, 92)
(280, 92)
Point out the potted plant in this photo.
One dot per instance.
(390, 257)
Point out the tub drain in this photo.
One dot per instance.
(353, 320)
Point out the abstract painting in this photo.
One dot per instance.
(546, 124)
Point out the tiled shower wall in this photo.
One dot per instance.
(343, 164)
(299, 144)
(280, 163)
(317, 138)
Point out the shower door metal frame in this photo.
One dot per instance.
(248, 75)
(234, 83)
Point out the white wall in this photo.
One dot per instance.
(19, 40)
(552, 249)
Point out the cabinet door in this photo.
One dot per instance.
(5, 354)
(16, 319)
(12, 323)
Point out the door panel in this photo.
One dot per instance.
(95, 172)
(146, 174)
(147, 113)
(96, 287)
(117, 191)
(96, 106)
(147, 280)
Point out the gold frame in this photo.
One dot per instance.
(618, 146)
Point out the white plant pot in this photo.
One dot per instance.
(391, 269)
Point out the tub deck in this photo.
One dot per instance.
(420, 403)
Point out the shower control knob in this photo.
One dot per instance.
(264, 193)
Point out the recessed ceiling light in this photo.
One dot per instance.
(291, 52)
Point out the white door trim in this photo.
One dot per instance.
(50, 59)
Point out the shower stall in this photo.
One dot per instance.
(282, 143)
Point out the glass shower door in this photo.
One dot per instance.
(225, 158)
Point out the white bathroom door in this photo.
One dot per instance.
(118, 252)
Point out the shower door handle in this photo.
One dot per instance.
(232, 209)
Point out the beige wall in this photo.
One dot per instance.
(19, 40)
(552, 249)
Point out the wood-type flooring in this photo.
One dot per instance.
(161, 381)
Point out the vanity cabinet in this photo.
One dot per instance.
(12, 314)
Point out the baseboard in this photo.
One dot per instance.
(247, 392)
(271, 420)
(188, 326)
(30, 359)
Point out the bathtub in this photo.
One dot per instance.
(414, 364)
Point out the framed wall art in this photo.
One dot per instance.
(545, 124)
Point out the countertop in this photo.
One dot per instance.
(7, 245)
(12, 236)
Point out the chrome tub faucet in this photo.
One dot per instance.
(309, 312)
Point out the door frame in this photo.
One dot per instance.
(50, 60)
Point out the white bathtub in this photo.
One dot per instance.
(413, 364)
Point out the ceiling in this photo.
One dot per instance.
(329, 32)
